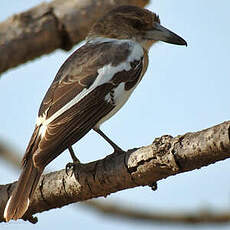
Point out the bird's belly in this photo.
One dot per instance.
(118, 98)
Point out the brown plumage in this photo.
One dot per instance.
(90, 87)
(131, 20)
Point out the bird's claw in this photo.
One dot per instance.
(70, 166)
(153, 186)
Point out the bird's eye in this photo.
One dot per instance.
(137, 23)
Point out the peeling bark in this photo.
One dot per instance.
(166, 156)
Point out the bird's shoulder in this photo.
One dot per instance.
(98, 53)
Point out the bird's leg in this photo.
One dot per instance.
(71, 165)
(115, 147)
(73, 156)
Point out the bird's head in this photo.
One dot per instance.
(131, 22)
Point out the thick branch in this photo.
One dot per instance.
(49, 26)
(201, 216)
(166, 156)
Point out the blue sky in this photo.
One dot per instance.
(185, 89)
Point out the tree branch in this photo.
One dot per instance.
(9, 154)
(166, 156)
(49, 26)
(201, 216)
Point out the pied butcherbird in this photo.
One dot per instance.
(89, 88)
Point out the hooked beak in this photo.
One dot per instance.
(160, 33)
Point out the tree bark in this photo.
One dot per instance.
(49, 26)
(166, 156)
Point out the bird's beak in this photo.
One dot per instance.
(160, 33)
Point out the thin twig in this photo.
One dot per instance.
(200, 216)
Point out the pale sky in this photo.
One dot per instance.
(185, 89)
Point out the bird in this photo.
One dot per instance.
(89, 88)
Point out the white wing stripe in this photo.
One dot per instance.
(105, 74)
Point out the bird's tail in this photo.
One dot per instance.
(22, 194)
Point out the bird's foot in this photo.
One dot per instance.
(71, 166)
(153, 186)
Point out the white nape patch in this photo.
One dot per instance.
(102, 40)
(137, 50)
(6, 209)
(105, 74)
(99, 40)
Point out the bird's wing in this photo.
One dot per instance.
(76, 100)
